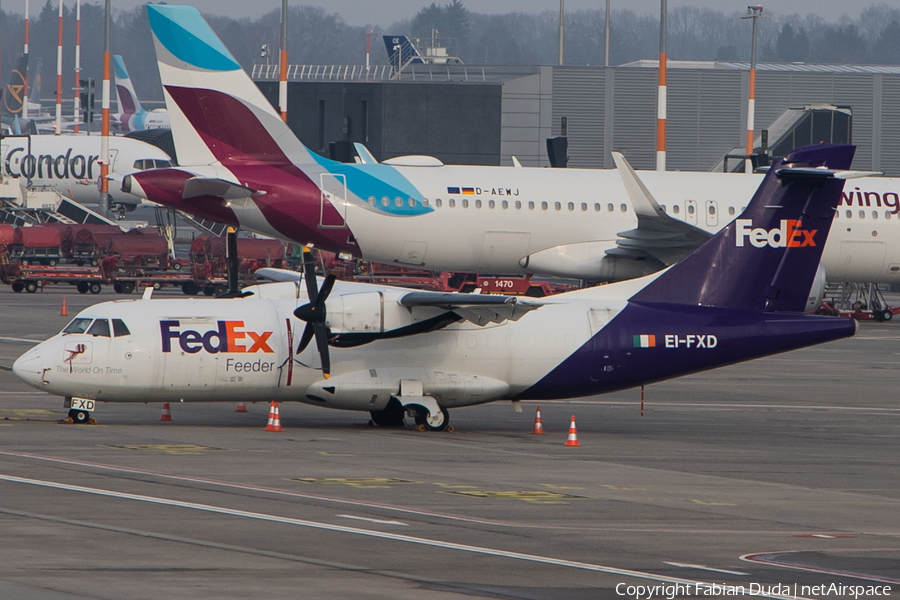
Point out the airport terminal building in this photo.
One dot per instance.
(472, 114)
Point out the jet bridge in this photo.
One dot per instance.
(795, 127)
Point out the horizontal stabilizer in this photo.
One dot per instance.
(209, 186)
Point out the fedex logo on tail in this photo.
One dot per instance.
(229, 336)
(789, 235)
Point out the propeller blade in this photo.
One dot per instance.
(325, 290)
(309, 275)
(306, 338)
(322, 343)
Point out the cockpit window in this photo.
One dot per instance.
(77, 326)
(119, 328)
(139, 164)
(163, 164)
(99, 328)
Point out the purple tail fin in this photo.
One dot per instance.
(767, 258)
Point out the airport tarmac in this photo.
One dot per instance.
(772, 475)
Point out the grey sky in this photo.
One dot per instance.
(384, 13)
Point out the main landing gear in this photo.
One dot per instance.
(395, 414)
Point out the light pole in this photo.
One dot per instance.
(754, 13)
(562, 29)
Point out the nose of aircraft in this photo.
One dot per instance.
(29, 367)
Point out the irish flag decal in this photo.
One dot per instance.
(645, 341)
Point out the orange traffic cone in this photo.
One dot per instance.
(241, 407)
(538, 428)
(166, 413)
(64, 311)
(274, 418)
(573, 434)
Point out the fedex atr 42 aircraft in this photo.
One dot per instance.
(70, 164)
(241, 165)
(391, 351)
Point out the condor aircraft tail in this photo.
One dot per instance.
(14, 91)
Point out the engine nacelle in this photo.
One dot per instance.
(588, 260)
(372, 389)
(372, 312)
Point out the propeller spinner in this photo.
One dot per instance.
(314, 313)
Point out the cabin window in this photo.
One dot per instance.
(518, 205)
(584, 206)
(398, 201)
(623, 207)
(849, 214)
(438, 203)
(478, 204)
(491, 204)
(371, 200)
(77, 326)
(531, 206)
(385, 201)
(887, 214)
(676, 209)
(610, 207)
(874, 214)
(557, 205)
(425, 202)
(99, 328)
(662, 207)
(465, 203)
(862, 214)
(452, 203)
(690, 209)
(119, 328)
(712, 210)
(505, 204)
(412, 202)
(544, 206)
(731, 211)
(596, 207)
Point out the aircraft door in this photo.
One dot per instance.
(712, 213)
(690, 211)
(112, 159)
(333, 197)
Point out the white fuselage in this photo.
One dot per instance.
(70, 164)
(517, 212)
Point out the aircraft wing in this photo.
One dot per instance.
(657, 235)
(479, 309)
(213, 186)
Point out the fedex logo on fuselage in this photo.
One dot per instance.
(789, 235)
(229, 336)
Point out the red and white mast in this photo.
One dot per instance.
(25, 74)
(282, 76)
(77, 105)
(661, 95)
(59, 45)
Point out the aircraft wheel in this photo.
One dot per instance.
(18, 287)
(80, 417)
(437, 423)
(83, 287)
(95, 288)
(391, 416)
(31, 287)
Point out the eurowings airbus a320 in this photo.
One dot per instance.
(242, 165)
(391, 351)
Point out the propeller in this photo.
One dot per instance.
(314, 313)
